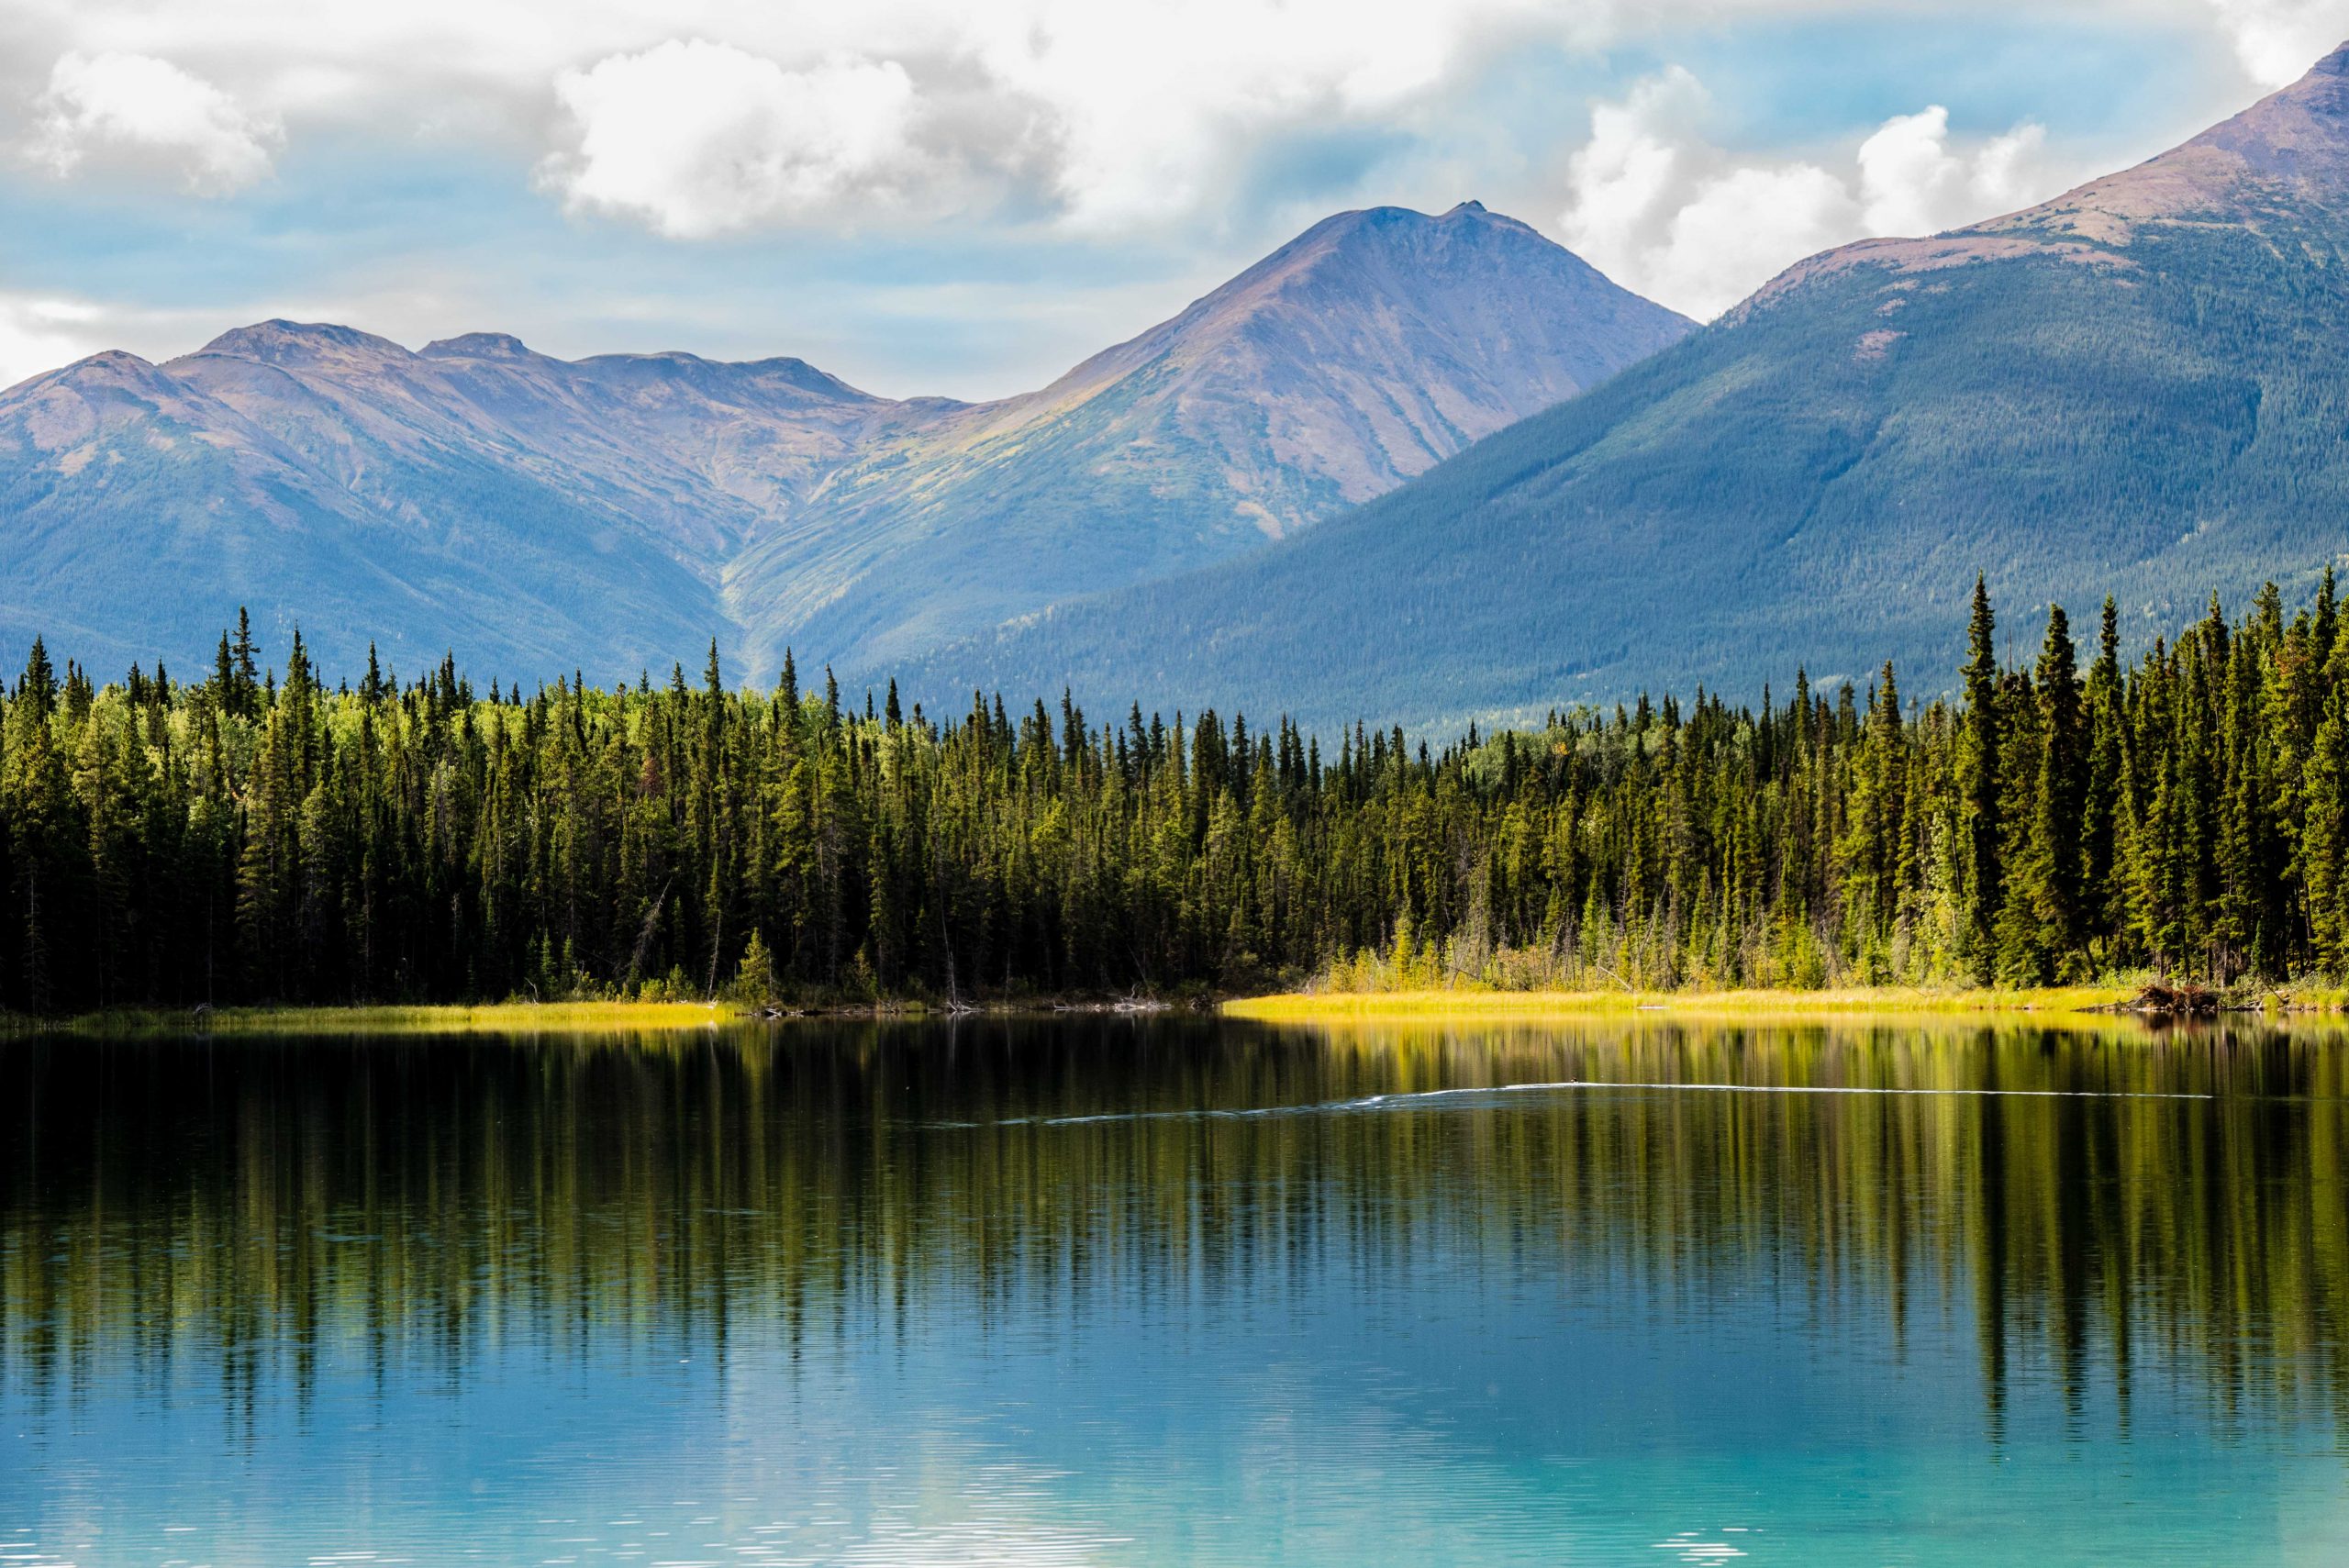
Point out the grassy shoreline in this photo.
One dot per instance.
(2081, 1001)
(2078, 1002)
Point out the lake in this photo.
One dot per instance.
(1124, 1291)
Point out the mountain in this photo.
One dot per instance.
(617, 512)
(2139, 386)
(535, 515)
(1359, 354)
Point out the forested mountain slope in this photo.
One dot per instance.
(617, 512)
(2142, 384)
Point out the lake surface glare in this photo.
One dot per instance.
(1108, 1291)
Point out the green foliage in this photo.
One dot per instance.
(231, 840)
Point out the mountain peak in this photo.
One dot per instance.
(281, 342)
(1471, 268)
(2300, 134)
(1406, 237)
(1396, 219)
(110, 361)
(2292, 144)
(629, 503)
(63, 409)
(479, 346)
(115, 368)
(678, 365)
(2285, 156)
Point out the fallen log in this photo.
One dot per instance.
(2188, 1001)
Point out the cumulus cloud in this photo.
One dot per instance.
(1121, 115)
(2277, 40)
(698, 139)
(1144, 145)
(1654, 204)
(1911, 181)
(1151, 105)
(136, 109)
(1112, 118)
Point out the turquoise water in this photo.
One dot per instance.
(1119, 1293)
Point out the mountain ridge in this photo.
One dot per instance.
(2139, 383)
(620, 510)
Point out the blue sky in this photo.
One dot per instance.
(967, 198)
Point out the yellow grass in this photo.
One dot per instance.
(502, 1017)
(1333, 1006)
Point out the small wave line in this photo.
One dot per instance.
(1406, 1099)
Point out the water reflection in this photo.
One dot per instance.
(1462, 1240)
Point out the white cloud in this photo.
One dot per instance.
(136, 109)
(1099, 146)
(1125, 116)
(699, 138)
(1911, 182)
(1126, 113)
(1662, 210)
(1743, 227)
(1151, 105)
(2277, 40)
(1119, 115)
(1633, 165)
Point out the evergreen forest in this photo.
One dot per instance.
(259, 835)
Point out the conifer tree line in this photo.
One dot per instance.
(252, 837)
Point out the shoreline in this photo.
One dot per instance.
(488, 1017)
(2083, 1005)
(526, 1017)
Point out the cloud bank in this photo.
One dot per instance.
(965, 195)
(1658, 207)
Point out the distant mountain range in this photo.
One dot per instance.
(617, 512)
(2141, 386)
(1397, 471)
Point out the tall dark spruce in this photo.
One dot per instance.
(257, 837)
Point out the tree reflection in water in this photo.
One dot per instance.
(2103, 1207)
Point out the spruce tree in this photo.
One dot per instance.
(244, 679)
(1980, 784)
(2053, 867)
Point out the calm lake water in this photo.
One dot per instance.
(1117, 1293)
